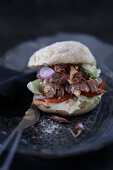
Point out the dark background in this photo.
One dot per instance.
(22, 20)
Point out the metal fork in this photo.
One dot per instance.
(30, 118)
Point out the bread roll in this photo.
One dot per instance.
(66, 52)
(62, 52)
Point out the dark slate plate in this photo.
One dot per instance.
(51, 139)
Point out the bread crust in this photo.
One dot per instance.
(45, 107)
(62, 52)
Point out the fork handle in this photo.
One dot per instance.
(7, 141)
(10, 156)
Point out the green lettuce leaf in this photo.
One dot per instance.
(89, 99)
(91, 71)
(34, 86)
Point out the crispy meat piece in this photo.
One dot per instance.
(92, 85)
(68, 78)
(78, 77)
(60, 78)
(59, 119)
(67, 88)
(99, 91)
(82, 86)
(77, 92)
(60, 92)
(60, 68)
(48, 89)
(78, 88)
(81, 70)
(76, 74)
(73, 71)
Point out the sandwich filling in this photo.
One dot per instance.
(68, 84)
(68, 80)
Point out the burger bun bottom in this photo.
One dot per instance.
(64, 108)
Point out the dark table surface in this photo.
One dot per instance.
(25, 20)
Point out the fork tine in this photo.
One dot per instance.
(10, 156)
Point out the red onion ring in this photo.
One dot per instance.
(100, 81)
(46, 72)
(40, 97)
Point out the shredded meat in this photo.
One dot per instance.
(60, 78)
(59, 68)
(76, 89)
(82, 86)
(73, 72)
(68, 78)
(92, 85)
(77, 92)
(77, 74)
(48, 89)
(60, 92)
(99, 91)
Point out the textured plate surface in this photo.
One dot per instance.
(52, 139)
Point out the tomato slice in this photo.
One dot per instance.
(89, 94)
(54, 100)
(102, 86)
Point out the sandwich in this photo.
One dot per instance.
(68, 81)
